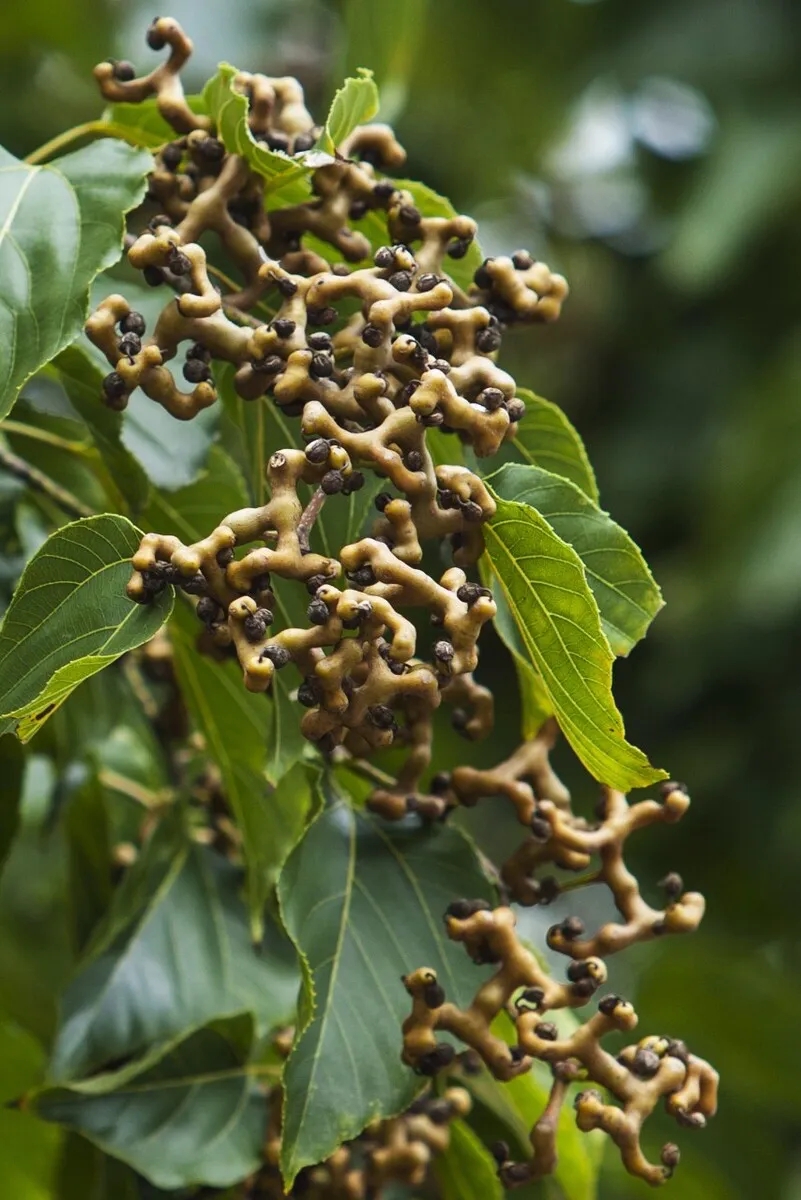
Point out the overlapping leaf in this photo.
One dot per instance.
(364, 902)
(543, 580)
(627, 595)
(466, 1170)
(69, 618)
(60, 225)
(173, 953)
(238, 726)
(545, 438)
(192, 1113)
(353, 104)
(82, 380)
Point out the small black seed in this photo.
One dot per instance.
(286, 287)
(154, 38)
(124, 71)
(372, 336)
(401, 280)
(317, 451)
(322, 366)
(426, 282)
(279, 656)
(196, 371)
(332, 482)
(443, 651)
(522, 260)
(317, 612)
(516, 410)
(384, 258)
(315, 582)
(153, 276)
(284, 327)
(134, 323)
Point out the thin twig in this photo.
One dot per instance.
(90, 129)
(360, 766)
(40, 482)
(310, 514)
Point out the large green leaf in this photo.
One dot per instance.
(173, 953)
(626, 592)
(60, 225)
(364, 903)
(69, 618)
(466, 1170)
(82, 380)
(545, 438)
(237, 725)
(192, 1113)
(544, 582)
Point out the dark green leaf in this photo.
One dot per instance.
(192, 1113)
(237, 725)
(545, 438)
(466, 1170)
(87, 829)
(627, 595)
(173, 953)
(364, 902)
(82, 381)
(60, 225)
(354, 103)
(29, 1149)
(69, 618)
(12, 767)
(543, 581)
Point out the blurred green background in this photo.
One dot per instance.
(652, 152)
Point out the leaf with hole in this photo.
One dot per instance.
(626, 592)
(364, 902)
(69, 618)
(60, 225)
(544, 582)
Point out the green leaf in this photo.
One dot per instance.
(466, 1170)
(28, 1149)
(70, 617)
(12, 768)
(86, 825)
(364, 901)
(354, 103)
(60, 225)
(173, 953)
(193, 1113)
(535, 704)
(228, 109)
(627, 595)
(545, 438)
(544, 583)
(143, 123)
(237, 726)
(193, 511)
(82, 381)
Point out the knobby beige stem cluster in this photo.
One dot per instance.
(400, 1150)
(408, 351)
(653, 1069)
(371, 345)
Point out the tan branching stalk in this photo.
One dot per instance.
(407, 350)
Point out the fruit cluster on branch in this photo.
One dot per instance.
(370, 349)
